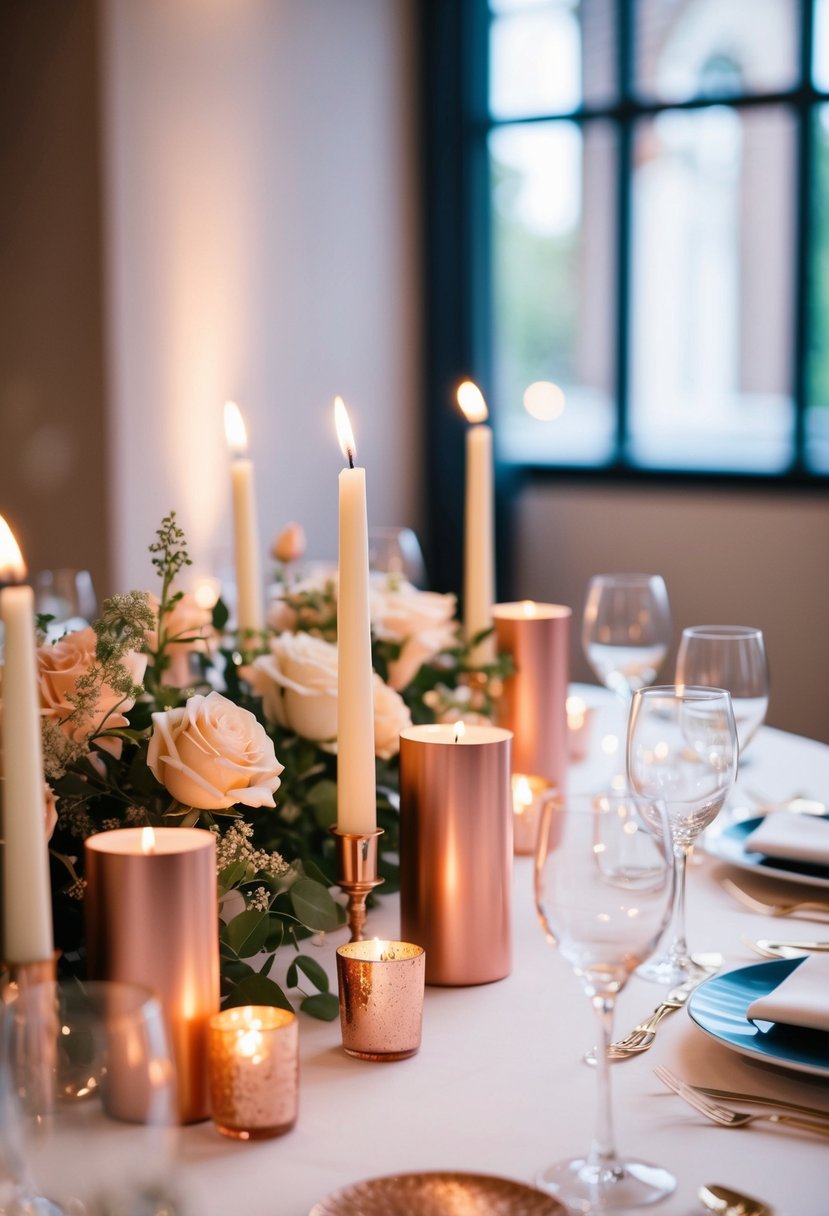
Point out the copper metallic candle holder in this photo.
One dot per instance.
(381, 999)
(253, 1067)
(357, 856)
(529, 794)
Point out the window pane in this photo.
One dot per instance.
(715, 48)
(549, 57)
(712, 290)
(817, 413)
(553, 264)
(820, 46)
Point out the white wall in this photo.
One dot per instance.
(728, 557)
(261, 210)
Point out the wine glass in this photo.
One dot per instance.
(603, 886)
(87, 1094)
(68, 596)
(626, 629)
(731, 657)
(681, 750)
(397, 551)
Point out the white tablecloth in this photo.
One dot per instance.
(499, 1086)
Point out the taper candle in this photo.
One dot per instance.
(479, 523)
(250, 609)
(356, 789)
(27, 902)
(152, 918)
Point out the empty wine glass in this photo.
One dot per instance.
(626, 629)
(731, 657)
(603, 886)
(85, 1065)
(68, 596)
(396, 551)
(682, 750)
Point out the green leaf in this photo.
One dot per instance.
(315, 973)
(232, 874)
(257, 990)
(313, 905)
(291, 975)
(322, 1005)
(276, 934)
(322, 799)
(248, 932)
(221, 615)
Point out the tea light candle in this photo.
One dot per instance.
(381, 998)
(152, 919)
(253, 1066)
(528, 794)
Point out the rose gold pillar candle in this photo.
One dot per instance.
(152, 919)
(456, 850)
(253, 1064)
(381, 998)
(528, 795)
(532, 706)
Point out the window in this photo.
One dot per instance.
(642, 198)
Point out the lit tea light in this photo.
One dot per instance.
(579, 720)
(528, 795)
(381, 987)
(253, 1068)
(459, 730)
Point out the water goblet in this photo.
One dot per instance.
(603, 885)
(626, 629)
(682, 751)
(397, 551)
(731, 657)
(87, 1093)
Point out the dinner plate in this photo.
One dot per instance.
(729, 845)
(438, 1194)
(719, 1006)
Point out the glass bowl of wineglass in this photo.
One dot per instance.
(604, 881)
(626, 630)
(731, 657)
(682, 751)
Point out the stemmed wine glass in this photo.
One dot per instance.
(603, 887)
(626, 629)
(731, 657)
(682, 750)
(397, 551)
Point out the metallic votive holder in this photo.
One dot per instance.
(533, 702)
(381, 999)
(528, 796)
(357, 855)
(253, 1066)
(456, 851)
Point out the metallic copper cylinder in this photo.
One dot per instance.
(381, 999)
(152, 919)
(533, 703)
(254, 1071)
(456, 851)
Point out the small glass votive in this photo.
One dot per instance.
(579, 720)
(528, 795)
(253, 1067)
(381, 998)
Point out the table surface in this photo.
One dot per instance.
(499, 1086)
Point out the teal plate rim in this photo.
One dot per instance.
(729, 846)
(719, 1007)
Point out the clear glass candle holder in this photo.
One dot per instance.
(253, 1066)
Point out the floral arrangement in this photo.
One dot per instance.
(156, 715)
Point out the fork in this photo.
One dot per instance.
(729, 1095)
(770, 909)
(726, 1116)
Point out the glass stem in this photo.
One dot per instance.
(678, 948)
(603, 1150)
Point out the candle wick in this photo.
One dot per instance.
(351, 458)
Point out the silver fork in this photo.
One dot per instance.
(726, 1116)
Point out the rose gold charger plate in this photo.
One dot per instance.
(438, 1194)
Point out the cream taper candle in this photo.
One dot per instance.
(479, 524)
(27, 902)
(250, 609)
(356, 792)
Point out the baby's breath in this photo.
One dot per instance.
(235, 845)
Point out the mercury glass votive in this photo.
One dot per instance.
(528, 794)
(253, 1069)
(381, 998)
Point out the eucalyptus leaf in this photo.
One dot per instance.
(257, 990)
(322, 1005)
(322, 799)
(248, 932)
(314, 972)
(313, 905)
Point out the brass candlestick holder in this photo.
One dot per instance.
(357, 855)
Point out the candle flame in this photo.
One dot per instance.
(249, 1042)
(235, 430)
(147, 840)
(12, 566)
(529, 607)
(345, 435)
(522, 795)
(460, 731)
(471, 401)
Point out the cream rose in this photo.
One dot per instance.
(391, 715)
(60, 666)
(191, 622)
(297, 682)
(211, 754)
(422, 621)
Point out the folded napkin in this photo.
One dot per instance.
(801, 1000)
(794, 837)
